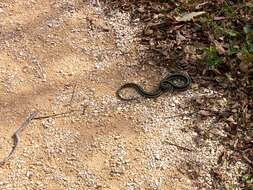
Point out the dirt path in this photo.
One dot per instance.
(58, 56)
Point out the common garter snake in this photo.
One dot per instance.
(172, 82)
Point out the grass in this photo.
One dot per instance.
(236, 39)
(212, 57)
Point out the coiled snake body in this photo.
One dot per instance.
(170, 83)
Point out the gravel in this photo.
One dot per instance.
(105, 143)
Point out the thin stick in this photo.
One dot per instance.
(16, 138)
(84, 109)
(55, 115)
(73, 94)
(178, 146)
(247, 159)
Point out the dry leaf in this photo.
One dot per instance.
(219, 47)
(219, 18)
(199, 6)
(148, 32)
(141, 9)
(244, 67)
(204, 113)
(231, 120)
(189, 16)
(179, 38)
(249, 4)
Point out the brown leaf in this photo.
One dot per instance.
(204, 113)
(217, 18)
(148, 32)
(244, 67)
(141, 9)
(249, 4)
(189, 16)
(219, 47)
(231, 120)
(179, 38)
(199, 6)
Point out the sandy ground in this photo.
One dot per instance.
(58, 56)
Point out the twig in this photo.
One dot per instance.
(247, 159)
(84, 109)
(55, 115)
(178, 146)
(98, 3)
(16, 138)
(72, 96)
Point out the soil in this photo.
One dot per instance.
(58, 56)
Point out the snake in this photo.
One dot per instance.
(167, 84)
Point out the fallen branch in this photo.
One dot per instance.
(16, 138)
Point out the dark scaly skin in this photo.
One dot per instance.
(176, 76)
(167, 84)
(140, 90)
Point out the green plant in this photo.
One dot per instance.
(249, 37)
(247, 49)
(247, 55)
(248, 179)
(233, 49)
(212, 57)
